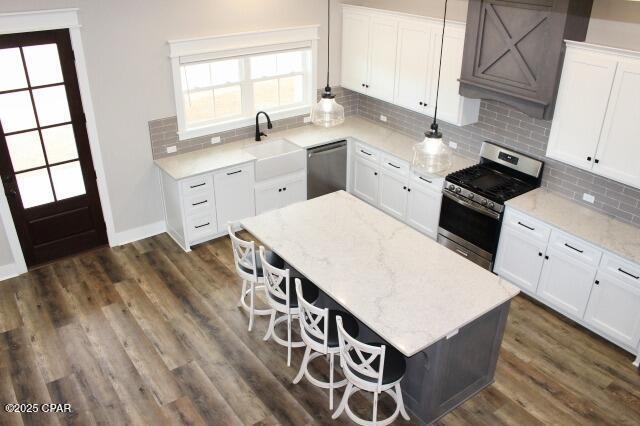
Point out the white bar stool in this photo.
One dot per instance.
(321, 339)
(282, 297)
(249, 268)
(373, 368)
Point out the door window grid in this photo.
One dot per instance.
(24, 174)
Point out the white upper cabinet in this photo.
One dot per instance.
(412, 67)
(355, 50)
(394, 57)
(597, 117)
(619, 148)
(383, 41)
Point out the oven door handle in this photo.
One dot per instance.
(462, 202)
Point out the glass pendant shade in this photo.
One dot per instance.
(327, 112)
(431, 155)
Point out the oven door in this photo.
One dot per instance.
(469, 229)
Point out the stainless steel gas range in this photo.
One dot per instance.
(473, 201)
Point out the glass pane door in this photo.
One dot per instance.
(36, 122)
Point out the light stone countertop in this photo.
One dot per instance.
(569, 216)
(404, 286)
(231, 154)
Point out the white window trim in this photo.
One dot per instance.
(197, 49)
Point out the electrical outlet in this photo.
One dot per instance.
(171, 149)
(453, 145)
(383, 118)
(307, 119)
(215, 139)
(588, 198)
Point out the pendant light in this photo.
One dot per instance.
(327, 112)
(432, 155)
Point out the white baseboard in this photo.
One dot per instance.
(11, 270)
(140, 233)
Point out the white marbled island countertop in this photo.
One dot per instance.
(404, 286)
(233, 153)
(592, 226)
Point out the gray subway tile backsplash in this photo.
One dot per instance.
(497, 123)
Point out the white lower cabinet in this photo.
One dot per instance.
(566, 283)
(520, 258)
(280, 192)
(393, 194)
(365, 180)
(593, 287)
(233, 188)
(387, 183)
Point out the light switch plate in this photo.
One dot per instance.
(588, 198)
(171, 149)
(453, 145)
(307, 119)
(215, 139)
(383, 118)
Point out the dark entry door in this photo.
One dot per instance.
(45, 161)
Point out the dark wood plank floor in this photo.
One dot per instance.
(147, 334)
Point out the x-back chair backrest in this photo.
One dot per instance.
(273, 280)
(313, 321)
(244, 254)
(357, 357)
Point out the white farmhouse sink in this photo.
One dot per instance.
(276, 158)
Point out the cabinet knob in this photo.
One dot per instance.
(597, 282)
(375, 173)
(596, 161)
(409, 189)
(279, 189)
(284, 189)
(366, 85)
(404, 187)
(546, 257)
(540, 254)
(421, 103)
(588, 158)
(363, 85)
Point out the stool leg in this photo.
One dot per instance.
(375, 407)
(252, 296)
(270, 327)
(244, 290)
(288, 340)
(344, 402)
(331, 357)
(303, 366)
(400, 402)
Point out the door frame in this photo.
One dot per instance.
(55, 19)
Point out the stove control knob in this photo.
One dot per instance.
(491, 205)
(483, 202)
(458, 190)
(452, 187)
(470, 196)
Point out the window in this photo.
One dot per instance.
(218, 90)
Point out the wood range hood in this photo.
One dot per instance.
(514, 50)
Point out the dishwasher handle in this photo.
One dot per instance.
(326, 149)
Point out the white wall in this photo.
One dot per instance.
(126, 49)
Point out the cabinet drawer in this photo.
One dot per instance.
(197, 184)
(434, 183)
(622, 269)
(201, 226)
(527, 225)
(575, 248)
(198, 203)
(365, 151)
(394, 164)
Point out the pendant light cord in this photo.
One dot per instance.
(328, 40)
(444, 24)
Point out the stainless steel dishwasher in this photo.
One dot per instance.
(326, 169)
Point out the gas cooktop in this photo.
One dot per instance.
(487, 182)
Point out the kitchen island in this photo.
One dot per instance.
(444, 313)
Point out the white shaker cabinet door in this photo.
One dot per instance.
(233, 189)
(423, 210)
(355, 50)
(383, 44)
(295, 191)
(580, 109)
(268, 198)
(619, 149)
(566, 283)
(365, 181)
(412, 68)
(520, 258)
(614, 308)
(392, 198)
